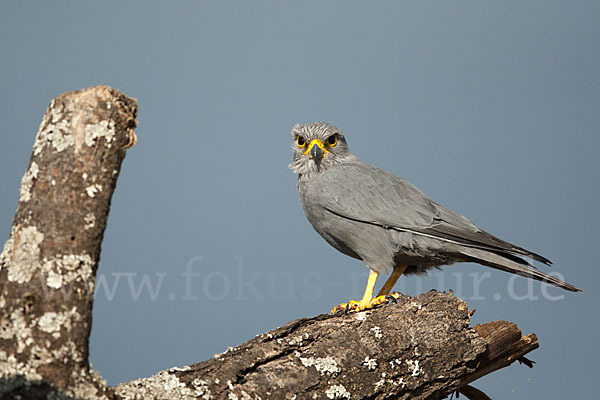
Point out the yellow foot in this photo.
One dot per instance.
(363, 304)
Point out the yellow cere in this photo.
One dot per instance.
(316, 142)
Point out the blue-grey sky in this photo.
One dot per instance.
(491, 108)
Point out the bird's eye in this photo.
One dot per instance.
(332, 140)
(300, 141)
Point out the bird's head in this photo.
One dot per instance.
(316, 147)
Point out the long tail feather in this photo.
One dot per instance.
(522, 268)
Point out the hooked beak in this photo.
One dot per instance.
(316, 153)
(316, 149)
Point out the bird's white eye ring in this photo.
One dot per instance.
(300, 141)
(332, 140)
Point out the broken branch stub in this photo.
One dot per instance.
(48, 265)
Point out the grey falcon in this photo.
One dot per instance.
(374, 216)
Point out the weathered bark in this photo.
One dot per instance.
(418, 348)
(48, 266)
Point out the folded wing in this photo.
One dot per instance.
(363, 193)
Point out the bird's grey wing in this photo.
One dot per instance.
(364, 193)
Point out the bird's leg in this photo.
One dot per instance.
(367, 301)
(367, 297)
(391, 281)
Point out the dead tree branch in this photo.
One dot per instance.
(48, 266)
(417, 348)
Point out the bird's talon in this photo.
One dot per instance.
(379, 300)
(345, 307)
(395, 295)
(391, 298)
